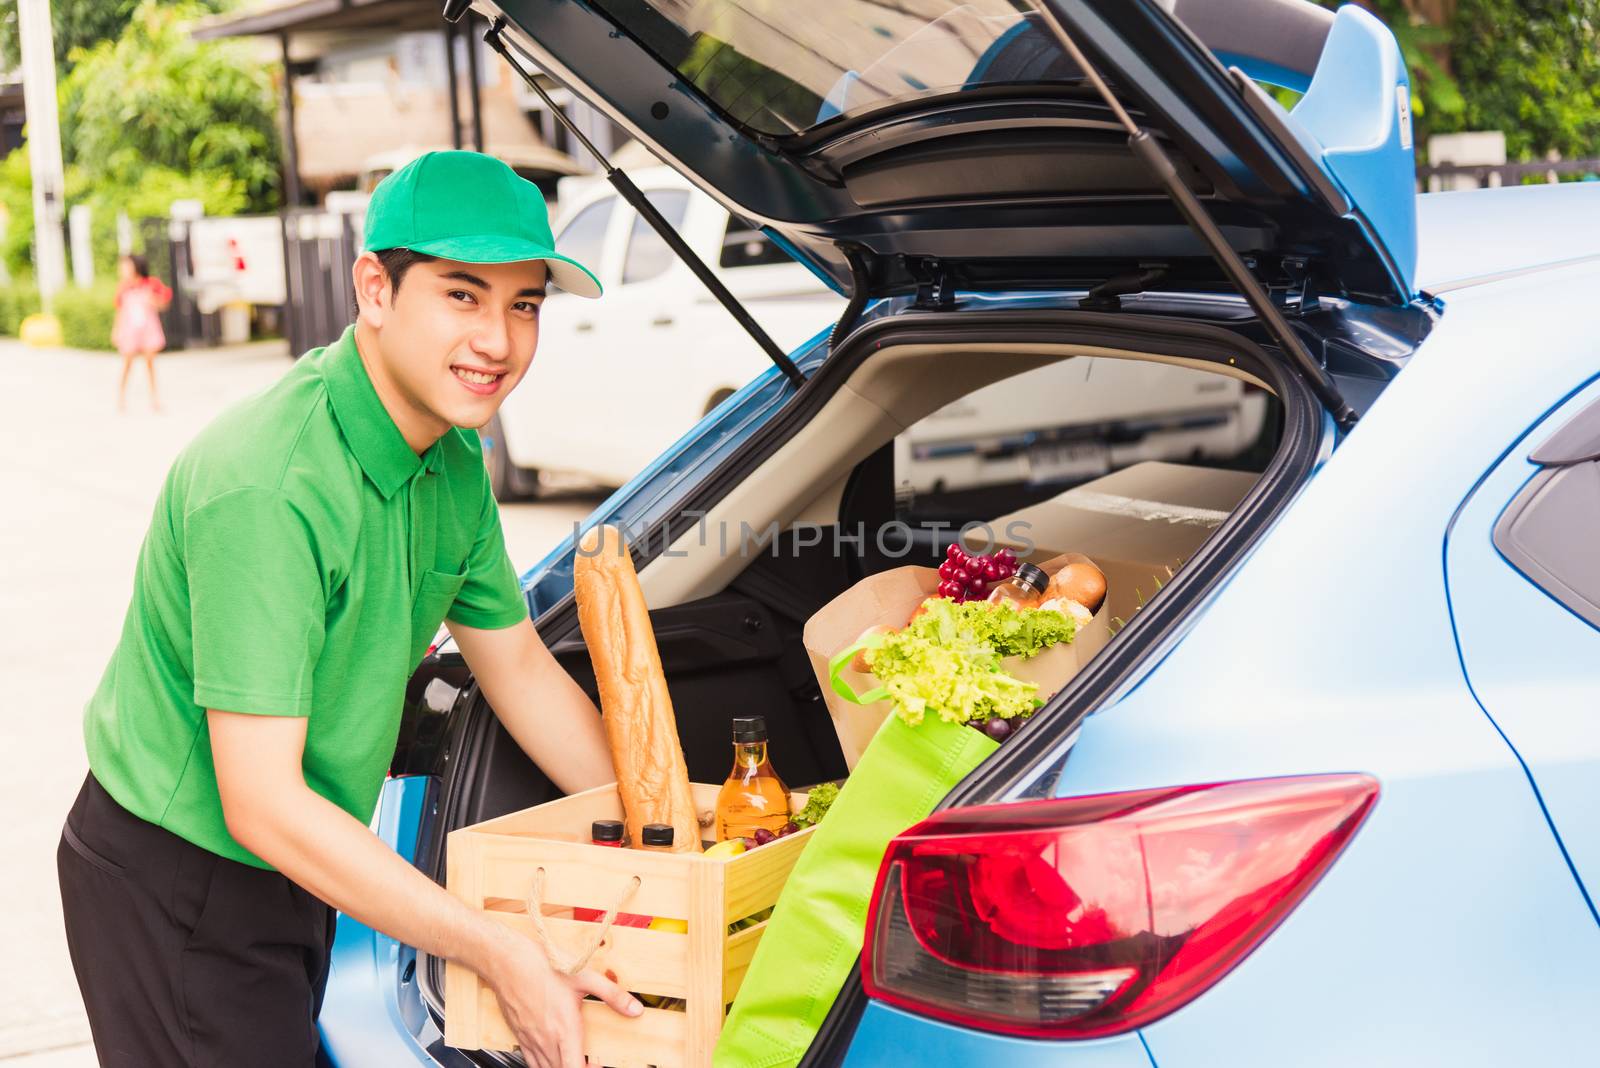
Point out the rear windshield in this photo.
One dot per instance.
(783, 66)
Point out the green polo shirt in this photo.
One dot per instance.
(301, 558)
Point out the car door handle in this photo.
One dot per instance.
(661, 320)
(584, 327)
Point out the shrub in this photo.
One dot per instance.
(18, 300)
(87, 315)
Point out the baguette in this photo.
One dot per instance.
(652, 779)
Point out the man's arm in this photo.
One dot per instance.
(273, 813)
(553, 720)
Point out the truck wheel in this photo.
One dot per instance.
(508, 481)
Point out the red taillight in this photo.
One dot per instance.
(1089, 916)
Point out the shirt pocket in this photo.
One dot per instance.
(434, 598)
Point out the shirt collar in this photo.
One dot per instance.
(377, 443)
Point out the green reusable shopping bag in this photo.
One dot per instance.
(816, 930)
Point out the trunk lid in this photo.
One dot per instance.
(956, 144)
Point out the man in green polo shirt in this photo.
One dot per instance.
(304, 550)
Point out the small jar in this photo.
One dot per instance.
(606, 833)
(657, 836)
(1025, 589)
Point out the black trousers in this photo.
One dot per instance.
(185, 958)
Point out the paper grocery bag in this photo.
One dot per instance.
(816, 930)
(888, 599)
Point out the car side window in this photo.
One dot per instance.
(1548, 530)
(647, 255)
(744, 245)
(584, 237)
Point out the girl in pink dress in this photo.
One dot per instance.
(137, 329)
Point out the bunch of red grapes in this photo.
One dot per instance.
(966, 577)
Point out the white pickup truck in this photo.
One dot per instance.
(617, 380)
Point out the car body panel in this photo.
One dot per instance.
(372, 1015)
(1478, 234)
(888, 1036)
(1453, 929)
(1530, 660)
(1331, 649)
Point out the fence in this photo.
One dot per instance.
(166, 248)
(1498, 174)
(319, 249)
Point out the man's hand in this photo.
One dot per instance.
(541, 1005)
(551, 718)
(271, 811)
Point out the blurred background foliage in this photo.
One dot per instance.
(1530, 68)
(148, 116)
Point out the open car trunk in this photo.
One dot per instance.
(729, 625)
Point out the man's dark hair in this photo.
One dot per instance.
(396, 262)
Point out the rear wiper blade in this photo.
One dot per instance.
(496, 39)
(1150, 152)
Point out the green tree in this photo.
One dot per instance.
(152, 117)
(76, 24)
(16, 197)
(1529, 68)
(157, 100)
(1532, 69)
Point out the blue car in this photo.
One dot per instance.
(1329, 796)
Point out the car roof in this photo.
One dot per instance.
(1480, 235)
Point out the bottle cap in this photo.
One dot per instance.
(606, 831)
(750, 728)
(656, 834)
(1033, 576)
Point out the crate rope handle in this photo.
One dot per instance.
(560, 960)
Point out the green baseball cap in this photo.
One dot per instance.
(470, 207)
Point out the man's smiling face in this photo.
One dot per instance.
(448, 346)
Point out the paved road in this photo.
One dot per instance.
(78, 481)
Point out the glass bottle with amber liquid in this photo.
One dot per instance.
(753, 797)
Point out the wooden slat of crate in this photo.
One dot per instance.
(654, 1037)
(491, 866)
(736, 958)
(577, 873)
(755, 882)
(708, 938)
(644, 961)
(467, 1027)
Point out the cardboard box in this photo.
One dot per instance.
(1138, 526)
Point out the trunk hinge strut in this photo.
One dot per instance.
(496, 39)
(1151, 154)
(860, 282)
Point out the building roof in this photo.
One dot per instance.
(294, 16)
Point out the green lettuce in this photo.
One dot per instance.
(821, 798)
(947, 661)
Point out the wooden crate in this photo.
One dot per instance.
(491, 866)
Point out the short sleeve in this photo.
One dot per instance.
(491, 597)
(257, 605)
